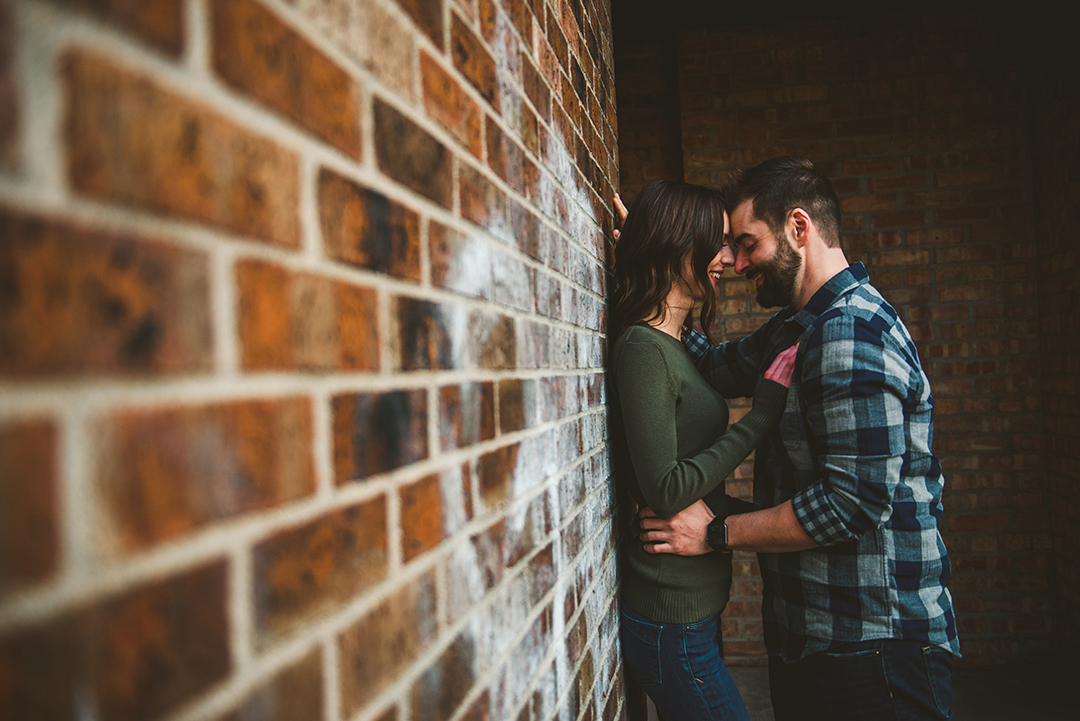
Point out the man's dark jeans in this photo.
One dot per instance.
(865, 681)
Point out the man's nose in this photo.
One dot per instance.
(727, 256)
(741, 263)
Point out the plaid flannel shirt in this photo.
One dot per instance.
(853, 454)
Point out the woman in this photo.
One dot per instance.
(671, 448)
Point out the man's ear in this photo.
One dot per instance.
(799, 226)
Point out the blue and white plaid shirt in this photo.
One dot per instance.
(853, 454)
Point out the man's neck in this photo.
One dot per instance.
(818, 269)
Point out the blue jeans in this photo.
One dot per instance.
(883, 679)
(681, 667)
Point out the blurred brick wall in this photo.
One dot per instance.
(1056, 150)
(301, 390)
(923, 126)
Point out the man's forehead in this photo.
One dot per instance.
(743, 220)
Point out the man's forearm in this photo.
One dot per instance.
(773, 530)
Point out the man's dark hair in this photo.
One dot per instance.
(780, 185)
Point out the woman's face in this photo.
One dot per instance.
(715, 268)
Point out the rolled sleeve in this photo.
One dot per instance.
(854, 391)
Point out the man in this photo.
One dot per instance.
(858, 619)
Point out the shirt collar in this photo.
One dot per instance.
(840, 284)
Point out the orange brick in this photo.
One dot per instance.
(449, 105)
(91, 302)
(159, 23)
(466, 414)
(309, 569)
(134, 142)
(474, 61)
(366, 229)
(256, 53)
(164, 473)
(29, 503)
(375, 650)
(302, 321)
(411, 156)
(428, 15)
(496, 471)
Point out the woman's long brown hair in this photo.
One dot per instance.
(667, 220)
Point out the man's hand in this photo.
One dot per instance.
(683, 534)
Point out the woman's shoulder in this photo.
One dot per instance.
(647, 335)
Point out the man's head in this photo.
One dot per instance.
(783, 210)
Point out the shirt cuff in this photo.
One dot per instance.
(697, 345)
(818, 517)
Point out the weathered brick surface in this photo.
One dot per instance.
(29, 504)
(164, 473)
(377, 432)
(133, 141)
(411, 156)
(301, 360)
(364, 228)
(261, 56)
(140, 654)
(301, 321)
(82, 301)
(309, 569)
(933, 167)
(401, 626)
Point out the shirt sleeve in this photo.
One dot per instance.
(855, 380)
(648, 398)
(732, 368)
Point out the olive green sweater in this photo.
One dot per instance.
(671, 449)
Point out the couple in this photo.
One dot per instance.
(858, 620)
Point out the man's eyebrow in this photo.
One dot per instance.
(738, 240)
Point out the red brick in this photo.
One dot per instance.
(312, 568)
(134, 142)
(536, 88)
(295, 692)
(141, 654)
(300, 321)
(412, 157)
(425, 335)
(472, 59)
(460, 263)
(374, 651)
(978, 522)
(428, 15)
(88, 302)
(164, 473)
(505, 156)
(378, 432)
(364, 228)
(422, 516)
(159, 23)
(448, 104)
(440, 690)
(948, 178)
(868, 202)
(496, 471)
(466, 414)
(256, 53)
(29, 503)
(901, 257)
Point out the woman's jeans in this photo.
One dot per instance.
(681, 667)
(883, 679)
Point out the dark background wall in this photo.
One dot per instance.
(951, 139)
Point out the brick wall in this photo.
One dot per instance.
(301, 391)
(923, 126)
(1056, 150)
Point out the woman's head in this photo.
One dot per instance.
(673, 232)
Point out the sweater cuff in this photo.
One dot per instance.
(770, 399)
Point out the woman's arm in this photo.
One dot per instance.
(647, 397)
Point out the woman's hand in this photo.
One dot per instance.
(620, 214)
(781, 369)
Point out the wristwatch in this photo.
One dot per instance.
(716, 534)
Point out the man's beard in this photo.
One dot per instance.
(779, 275)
